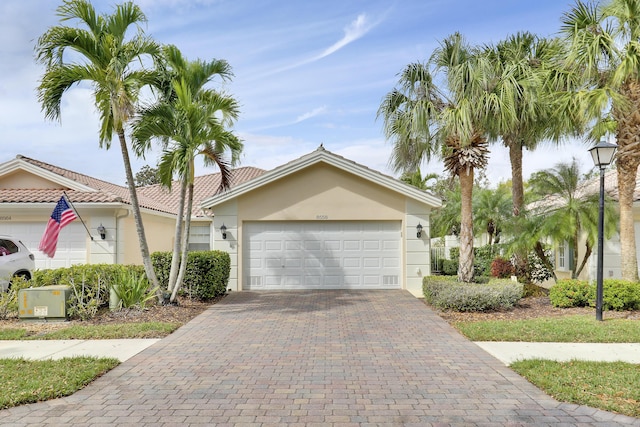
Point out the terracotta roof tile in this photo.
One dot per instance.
(152, 197)
(205, 186)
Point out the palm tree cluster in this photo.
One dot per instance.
(520, 92)
(189, 118)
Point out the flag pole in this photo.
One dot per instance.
(76, 211)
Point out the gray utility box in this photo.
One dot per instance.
(46, 303)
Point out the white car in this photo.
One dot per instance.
(15, 260)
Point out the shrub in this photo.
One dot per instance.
(206, 275)
(619, 295)
(9, 299)
(533, 290)
(133, 290)
(450, 267)
(448, 294)
(89, 284)
(482, 257)
(501, 268)
(571, 293)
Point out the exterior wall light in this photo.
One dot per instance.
(223, 230)
(102, 231)
(419, 230)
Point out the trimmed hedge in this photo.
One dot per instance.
(449, 294)
(207, 274)
(617, 295)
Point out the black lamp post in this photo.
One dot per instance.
(602, 154)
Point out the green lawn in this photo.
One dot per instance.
(111, 331)
(603, 385)
(26, 381)
(609, 386)
(556, 329)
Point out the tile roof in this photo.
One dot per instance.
(151, 197)
(590, 187)
(205, 186)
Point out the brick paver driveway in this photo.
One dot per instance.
(312, 358)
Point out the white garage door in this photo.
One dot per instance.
(322, 255)
(71, 242)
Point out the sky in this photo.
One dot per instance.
(305, 73)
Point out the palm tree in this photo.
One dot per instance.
(519, 92)
(190, 121)
(569, 212)
(109, 63)
(492, 208)
(424, 121)
(417, 180)
(603, 49)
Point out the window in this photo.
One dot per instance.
(199, 237)
(562, 249)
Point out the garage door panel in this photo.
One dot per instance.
(352, 262)
(390, 263)
(331, 262)
(71, 248)
(352, 245)
(321, 254)
(372, 262)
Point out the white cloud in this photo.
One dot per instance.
(356, 29)
(316, 112)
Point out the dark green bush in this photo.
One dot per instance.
(571, 293)
(450, 267)
(448, 294)
(619, 295)
(206, 276)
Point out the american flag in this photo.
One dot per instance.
(61, 216)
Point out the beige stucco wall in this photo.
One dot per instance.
(159, 231)
(325, 193)
(320, 192)
(22, 179)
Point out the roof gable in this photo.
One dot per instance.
(37, 176)
(323, 156)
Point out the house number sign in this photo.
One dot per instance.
(322, 217)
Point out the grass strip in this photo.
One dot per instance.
(579, 328)
(97, 332)
(112, 331)
(610, 386)
(27, 381)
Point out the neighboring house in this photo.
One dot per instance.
(318, 222)
(29, 190)
(564, 256)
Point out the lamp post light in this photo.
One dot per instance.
(602, 154)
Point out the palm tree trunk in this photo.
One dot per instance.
(627, 184)
(517, 186)
(177, 239)
(628, 159)
(137, 216)
(465, 267)
(587, 254)
(185, 243)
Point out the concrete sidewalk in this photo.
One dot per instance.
(506, 352)
(58, 349)
(509, 352)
